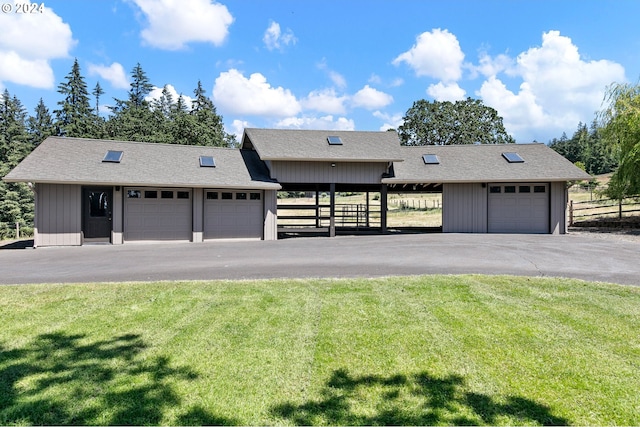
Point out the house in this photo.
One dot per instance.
(113, 191)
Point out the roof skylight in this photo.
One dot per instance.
(513, 157)
(112, 156)
(430, 159)
(334, 140)
(207, 162)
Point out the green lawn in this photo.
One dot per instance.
(401, 350)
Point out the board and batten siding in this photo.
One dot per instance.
(464, 208)
(559, 198)
(270, 215)
(58, 215)
(323, 172)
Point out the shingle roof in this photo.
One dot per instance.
(312, 145)
(79, 160)
(483, 163)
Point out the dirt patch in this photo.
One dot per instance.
(610, 233)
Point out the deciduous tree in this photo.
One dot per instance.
(446, 123)
(621, 129)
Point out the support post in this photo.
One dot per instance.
(383, 209)
(367, 213)
(570, 213)
(332, 210)
(317, 208)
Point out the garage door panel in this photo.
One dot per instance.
(233, 218)
(157, 218)
(524, 211)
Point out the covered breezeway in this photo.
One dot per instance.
(343, 209)
(321, 214)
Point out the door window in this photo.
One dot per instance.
(98, 204)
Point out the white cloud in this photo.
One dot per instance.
(173, 23)
(435, 54)
(558, 89)
(28, 43)
(237, 128)
(325, 101)
(446, 92)
(323, 123)
(490, 67)
(236, 94)
(390, 121)
(34, 73)
(113, 73)
(371, 98)
(337, 78)
(156, 93)
(274, 38)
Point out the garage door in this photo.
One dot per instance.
(233, 214)
(157, 214)
(518, 208)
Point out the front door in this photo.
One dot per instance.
(97, 205)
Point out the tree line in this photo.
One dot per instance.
(135, 118)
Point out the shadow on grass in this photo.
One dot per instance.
(66, 379)
(420, 399)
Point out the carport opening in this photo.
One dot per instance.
(305, 211)
(309, 212)
(415, 211)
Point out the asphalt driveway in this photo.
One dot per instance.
(571, 255)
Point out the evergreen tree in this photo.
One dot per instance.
(41, 125)
(99, 123)
(74, 118)
(140, 87)
(587, 148)
(97, 93)
(134, 119)
(16, 200)
(208, 125)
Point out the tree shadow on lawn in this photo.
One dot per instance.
(421, 399)
(61, 379)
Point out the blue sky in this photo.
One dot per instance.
(334, 64)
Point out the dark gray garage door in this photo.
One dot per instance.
(233, 214)
(518, 208)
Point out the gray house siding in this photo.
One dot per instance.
(270, 215)
(558, 207)
(464, 208)
(327, 172)
(117, 212)
(58, 215)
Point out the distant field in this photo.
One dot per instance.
(432, 350)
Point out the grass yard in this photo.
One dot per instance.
(401, 350)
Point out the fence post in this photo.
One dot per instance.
(570, 213)
(17, 230)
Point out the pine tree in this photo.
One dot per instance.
(209, 128)
(16, 200)
(140, 87)
(134, 119)
(74, 118)
(97, 93)
(41, 125)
